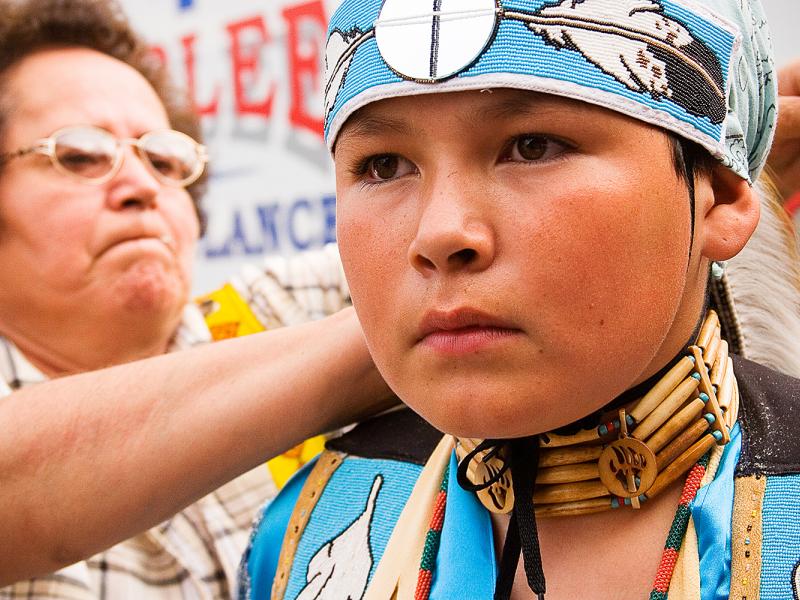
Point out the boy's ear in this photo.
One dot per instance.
(730, 211)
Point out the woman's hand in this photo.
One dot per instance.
(785, 155)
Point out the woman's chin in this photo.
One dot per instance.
(150, 289)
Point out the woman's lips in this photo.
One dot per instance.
(463, 331)
(140, 244)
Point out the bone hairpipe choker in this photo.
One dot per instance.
(636, 452)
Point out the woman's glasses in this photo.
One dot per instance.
(94, 155)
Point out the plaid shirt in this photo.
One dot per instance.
(196, 553)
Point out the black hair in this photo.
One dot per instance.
(690, 160)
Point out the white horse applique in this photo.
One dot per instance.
(340, 569)
(796, 581)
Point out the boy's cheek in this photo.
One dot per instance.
(583, 271)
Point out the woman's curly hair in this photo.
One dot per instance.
(28, 26)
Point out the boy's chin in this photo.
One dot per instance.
(499, 420)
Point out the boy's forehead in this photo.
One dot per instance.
(398, 115)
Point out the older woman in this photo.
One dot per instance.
(99, 176)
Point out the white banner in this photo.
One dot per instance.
(255, 71)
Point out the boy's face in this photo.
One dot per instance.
(516, 260)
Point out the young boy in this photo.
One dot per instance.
(534, 201)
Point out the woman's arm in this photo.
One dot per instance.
(89, 460)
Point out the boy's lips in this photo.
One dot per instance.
(463, 330)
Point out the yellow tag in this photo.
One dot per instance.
(227, 314)
(284, 466)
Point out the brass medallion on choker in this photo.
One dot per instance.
(635, 453)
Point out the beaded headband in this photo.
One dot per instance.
(702, 71)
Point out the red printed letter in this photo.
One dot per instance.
(159, 54)
(305, 62)
(245, 66)
(189, 62)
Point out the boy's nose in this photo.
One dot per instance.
(453, 234)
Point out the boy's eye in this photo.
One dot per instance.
(530, 148)
(388, 167)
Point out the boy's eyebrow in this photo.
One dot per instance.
(520, 104)
(366, 124)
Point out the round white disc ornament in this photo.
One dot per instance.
(431, 40)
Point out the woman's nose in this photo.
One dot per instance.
(134, 185)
